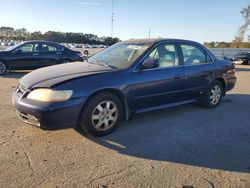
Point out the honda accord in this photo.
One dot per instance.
(127, 78)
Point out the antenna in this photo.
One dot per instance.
(112, 19)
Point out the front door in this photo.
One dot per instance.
(25, 56)
(162, 84)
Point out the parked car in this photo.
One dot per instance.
(127, 78)
(244, 57)
(36, 54)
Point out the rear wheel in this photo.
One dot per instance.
(101, 115)
(3, 68)
(213, 95)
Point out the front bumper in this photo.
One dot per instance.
(55, 115)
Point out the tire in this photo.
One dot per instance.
(101, 115)
(3, 68)
(214, 95)
(86, 52)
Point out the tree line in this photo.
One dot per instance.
(9, 33)
(232, 44)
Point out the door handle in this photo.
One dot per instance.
(178, 76)
(35, 54)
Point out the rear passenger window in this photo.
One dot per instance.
(193, 55)
(50, 48)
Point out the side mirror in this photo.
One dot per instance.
(150, 64)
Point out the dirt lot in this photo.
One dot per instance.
(184, 146)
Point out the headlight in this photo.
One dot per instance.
(49, 95)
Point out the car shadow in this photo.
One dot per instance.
(15, 74)
(192, 135)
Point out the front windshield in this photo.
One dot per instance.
(13, 47)
(120, 55)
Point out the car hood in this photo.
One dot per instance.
(49, 76)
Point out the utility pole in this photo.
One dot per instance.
(112, 19)
(149, 33)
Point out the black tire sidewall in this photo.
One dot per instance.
(85, 121)
(207, 101)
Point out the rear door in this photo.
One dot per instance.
(199, 70)
(160, 85)
(50, 54)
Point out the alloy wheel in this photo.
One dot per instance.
(104, 115)
(215, 94)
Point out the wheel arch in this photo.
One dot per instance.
(116, 92)
(5, 61)
(223, 83)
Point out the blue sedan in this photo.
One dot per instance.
(127, 78)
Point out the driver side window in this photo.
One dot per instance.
(165, 54)
(28, 48)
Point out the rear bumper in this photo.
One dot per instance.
(48, 115)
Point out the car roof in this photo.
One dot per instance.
(151, 41)
(41, 41)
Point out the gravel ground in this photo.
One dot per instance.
(187, 146)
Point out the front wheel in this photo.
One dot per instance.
(3, 68)
(214, 95)
(101, 115)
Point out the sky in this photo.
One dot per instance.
(199, 20)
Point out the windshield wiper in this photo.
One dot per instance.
(99, 63)
(113, 67)
(104, 64)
